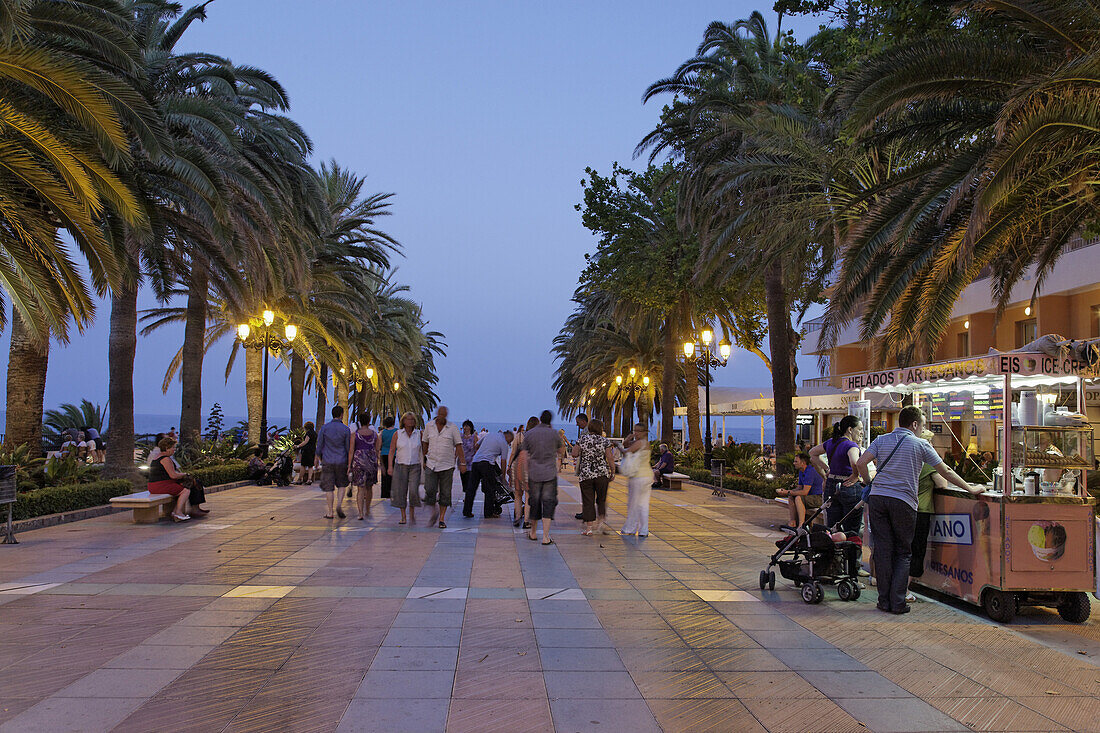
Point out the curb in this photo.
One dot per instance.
(53, 520)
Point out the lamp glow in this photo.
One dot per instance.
(633, 371)
(592, 391)
(619, 379)
(725, 349)
(397, 386)
(645, 381)
(370, 373)
(706, 336)
(291, 332)
(243, 331)
(1027, 311)
(269, 317)
(966, 324)
(689, 349)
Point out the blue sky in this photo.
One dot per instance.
(481, 117)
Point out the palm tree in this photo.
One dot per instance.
(738, 70)
(1000, 128)
(66, 101)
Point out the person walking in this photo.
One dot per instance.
(332, 447)
(489, 464)
(567, 446)
(517, 466)
(892, 505)
(834, 460)
(388, 431)
(363, 460)
(307, 455)
(544, 448)
(469, 450)
(406, 461)
(635, 466)
(582, 425)
(442, 449)
(595, 467)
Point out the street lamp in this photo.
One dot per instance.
(633, 387)
(268, 339)
(707, 359)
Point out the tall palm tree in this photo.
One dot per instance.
(1001, 128)
(738, 70)
(66, 100)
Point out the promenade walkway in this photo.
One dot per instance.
(265, 617)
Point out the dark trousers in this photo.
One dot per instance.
(486, 475)
(920, 544)
(845, 499)
(387, 477)
(892, 525)
(594, 498)
(542, 499)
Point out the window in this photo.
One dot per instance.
(962, 345)
(1095, 321)
(1026, 332)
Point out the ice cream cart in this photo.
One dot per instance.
(1030, 537)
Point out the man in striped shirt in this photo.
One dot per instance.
(892, 505)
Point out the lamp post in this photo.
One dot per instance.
(634, 387)
(707, 359)
(360, 376)
(396, 409)
(266, 338)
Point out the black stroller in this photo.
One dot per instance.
(810, 557)
(280, 470)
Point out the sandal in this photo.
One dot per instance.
(527, 525)
(401, 522)
(587, 533)
(548, 542)
(180, 517)
(329, 516)
(532, 538)
(443, 525)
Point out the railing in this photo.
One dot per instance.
(1072, 245)
(818, 382)
(815, 324)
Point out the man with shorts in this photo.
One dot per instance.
(442, 448)
(332, 450)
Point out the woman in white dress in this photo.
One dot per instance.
(635, 466)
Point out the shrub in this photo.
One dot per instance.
(56, 499)
(224, 473)
(755, 487)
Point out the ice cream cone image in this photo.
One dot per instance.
(1047, 540)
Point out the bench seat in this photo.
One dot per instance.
(148, 508)
(671, 481)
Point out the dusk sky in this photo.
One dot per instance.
(481, 117)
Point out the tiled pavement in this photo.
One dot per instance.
(265, 617)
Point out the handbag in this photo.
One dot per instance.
(867, 489)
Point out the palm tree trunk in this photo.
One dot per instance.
(668, 382)
(194, 337)
(695, 434)
(27, 362)
(342, 394)
(122, 347)
(253, 386)
(780, 342)
(322, 393)
(297, 390)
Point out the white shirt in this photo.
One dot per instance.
(408, 448)
(441, 445)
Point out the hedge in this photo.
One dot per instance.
(765, 489)
(54, 499)
(225, 473)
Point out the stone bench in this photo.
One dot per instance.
(148, 508)
(671, 481)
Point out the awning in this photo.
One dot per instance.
(821, 399)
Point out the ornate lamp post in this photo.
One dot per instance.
(633, 386)
(265, 337)
(707, 359)
(360, 376)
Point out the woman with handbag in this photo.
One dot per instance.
(635, 466)
(835, 460)
(166, 478)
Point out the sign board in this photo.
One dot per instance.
(983, 366)
(7, 484)
(862, 410)
(801, 419)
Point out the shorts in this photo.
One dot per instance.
(334, 476)
(920, 544)
(438, 482)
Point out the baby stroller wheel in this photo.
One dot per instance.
(763, 579)
(771, 580)
(809, 593)
(847, 590)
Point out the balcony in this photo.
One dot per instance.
(820, 382)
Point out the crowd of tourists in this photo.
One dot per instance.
(415, 468)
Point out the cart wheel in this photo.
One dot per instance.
(809, 594)
(855, 590)
(1075, 607)
(763, 579)
(1000, 605)
(771, 580)
(819, 592)
(846, 590)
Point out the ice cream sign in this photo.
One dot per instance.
(951, 529)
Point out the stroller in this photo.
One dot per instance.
(280, 470)
(811, 558)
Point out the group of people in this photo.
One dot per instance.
(902, 469)
(519, 464)
(85, 445)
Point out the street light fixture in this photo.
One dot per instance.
(708, 359)
(268, 339)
